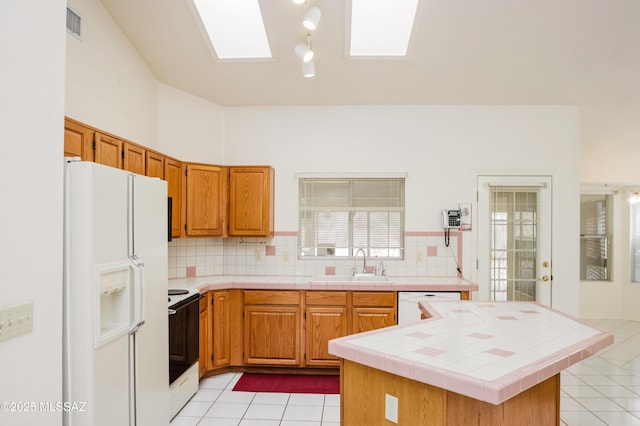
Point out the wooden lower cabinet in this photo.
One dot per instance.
(326, 317)
(272, 335)
(221, 329)
(372, 310)
(272, 328)
(289, 328)
(367, 319)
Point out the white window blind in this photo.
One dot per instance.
(337, 216)
(594, 237)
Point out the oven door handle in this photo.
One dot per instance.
(172, 311)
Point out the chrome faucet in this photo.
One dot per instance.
(364, 261)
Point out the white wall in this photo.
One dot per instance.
(108, 85)
(442, 148)
(32, 38)
(189, 128)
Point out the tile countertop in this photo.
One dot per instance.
(266, 282)
(489, 351)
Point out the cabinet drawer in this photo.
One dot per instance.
(368, 298)
(269, 297)
(328, 298)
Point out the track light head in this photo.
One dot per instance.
(312, 18)
(308, 69)
(304, 52)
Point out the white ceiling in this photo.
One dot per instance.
(584, 52)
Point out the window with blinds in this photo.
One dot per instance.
(337, 216)
(594, 237)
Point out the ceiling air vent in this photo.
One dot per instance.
(74, 23)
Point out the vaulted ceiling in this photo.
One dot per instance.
(584, 52)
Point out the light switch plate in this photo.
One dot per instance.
(15, 321)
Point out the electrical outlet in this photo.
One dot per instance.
(16, 320)
(391, 408)
(419, 257)
(257, 254)
(285, 255)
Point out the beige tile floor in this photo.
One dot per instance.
(601, 390)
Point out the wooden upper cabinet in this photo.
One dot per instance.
(251, 201)
(206, 195)
(173, 176)
(108, 150)
(78, 140)
(133, 158)
(154, 165)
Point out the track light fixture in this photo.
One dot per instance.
(310, 22)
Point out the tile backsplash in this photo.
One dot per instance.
(425, 255)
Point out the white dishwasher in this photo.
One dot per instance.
(408, 309)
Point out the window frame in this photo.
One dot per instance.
(605, 237)
(351, 204)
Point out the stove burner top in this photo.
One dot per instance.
(177, 292)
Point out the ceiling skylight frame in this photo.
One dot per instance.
(234, 30)
(378, 38)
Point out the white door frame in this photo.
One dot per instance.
(544, 228)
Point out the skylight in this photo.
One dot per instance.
(381, 27)
(235, 28)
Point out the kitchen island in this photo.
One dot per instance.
(490, 363)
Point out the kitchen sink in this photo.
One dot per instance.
(370, 278)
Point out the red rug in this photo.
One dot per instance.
(288, 383)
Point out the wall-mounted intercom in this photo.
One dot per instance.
(451, 219)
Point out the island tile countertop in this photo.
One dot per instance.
(267, 282)
(489, 351)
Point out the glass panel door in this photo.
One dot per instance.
(514, 238)
(513, 243)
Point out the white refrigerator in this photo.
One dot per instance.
(115, 296)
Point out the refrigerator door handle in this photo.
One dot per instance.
(138, 293)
